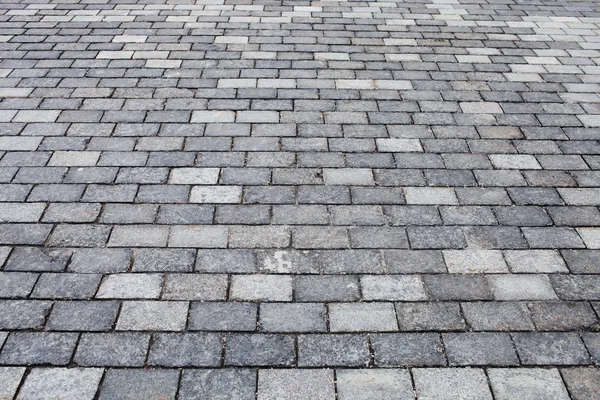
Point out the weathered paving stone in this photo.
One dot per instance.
(438, 316)
(23, 314)
(29, 348)
(185, 350)
(333, 350)
(259, 350)
(66, 316)
(362, 317)
(139, 383)
(498, 316)
(530, 382)
(153, 315)
(282, 317)
(11, 378)
(582, 383)
(451, 383)
(478, 349)
(223, 316)
(374, 384)
(63, 383)
(295, 384)
(551, 349)
(112, 349)
(225, 383)
(407, 349)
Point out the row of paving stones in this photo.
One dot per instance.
(317, 117)
(357, 216)
(299, 317)
(299, 237)
(110, 261)
(309, 350)
(285, 384)
(501, 287)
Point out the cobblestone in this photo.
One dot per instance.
(230, 200)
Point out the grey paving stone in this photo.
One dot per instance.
(563, 316)
(99, 316)
(451, 383)
(153, 315)
(582, 383)
(284, 384)
(261, 287)
(551, 349)
(535, 383)
(393, 287)
(11, 378)
(457, 287)
(221, 384)
(16, 284)
(479, 349)
(195, 287)
(260, 350)
(63, 383)
(223, 316)
(375, 384)
(99, 260)
(31, 348)
(497, 316)
(66, 286)
(440, 316)
(408, 349)
(333, 350)
(234, 261)
(281, 317)
(139, 384)
(163, 260)
(112, 349)
(326, 288)
(37, 259)
(186, 350)
(522, 287)
(23, 314)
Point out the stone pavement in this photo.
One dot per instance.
(293, 199)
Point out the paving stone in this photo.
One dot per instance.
(506, 316)
(535, 261)
(551, 349)
(407, 349)
(63, 383)
(23, 314)
(295, 384)
(112, 349)
(66, 316)
(457, 287)
(531, 382)
(261, 287)
(37, 259)
(68, 286)
(11, 378)
(130, 286)
(326, 288)
(374, 384)
(452, 383)
(139, 384)
(362, 317)
(226, 261)
(153, 315)
(281, 317)
(474, 261)
(522, 287)
(31, 348)
(225, 316)
(393, 287)
(477, 349)
(582, 383)
(430, 316)
(259, 350)
(225, 383)
(16, 284)
(186, 350)
(163, 260)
